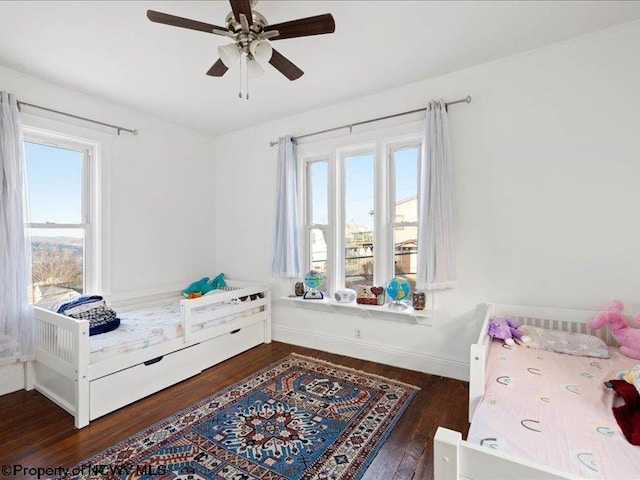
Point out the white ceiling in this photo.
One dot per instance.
(110, 50)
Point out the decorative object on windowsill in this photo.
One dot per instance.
(370, 295)
(345, 295)
(398, 289)
(419, 300)
(313, 280)
(299, 289)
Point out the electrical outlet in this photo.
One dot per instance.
(358, 333)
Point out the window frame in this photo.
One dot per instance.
(90, 203)
(391, 148)
(341, 227)
(380, 142)
(308, 224)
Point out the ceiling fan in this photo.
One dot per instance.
(252, 35)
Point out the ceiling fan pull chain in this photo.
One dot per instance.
(246, 72)
(240, 79)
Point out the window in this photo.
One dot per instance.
(404, 163)
(358, 221)
(61, 221)
(317, 218)
(361, 210)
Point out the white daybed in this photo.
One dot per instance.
(211, 329)
(455, 458)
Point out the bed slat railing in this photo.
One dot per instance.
(56, 340)
(61, 346)
(563, 320)
(192, 317)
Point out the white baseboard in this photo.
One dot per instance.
(11, 378)
(374, 352)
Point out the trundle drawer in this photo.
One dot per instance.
(122, 388)
(226, 346)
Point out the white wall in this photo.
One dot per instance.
(158, 225)
(546, 191)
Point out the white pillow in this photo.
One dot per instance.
(570, 343)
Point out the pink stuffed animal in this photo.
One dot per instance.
(627, 337)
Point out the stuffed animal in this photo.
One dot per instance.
(627, 337)
(506, 329)
(204, 286)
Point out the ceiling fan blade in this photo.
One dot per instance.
(268, 35)
(242, 7)
(218, 69)
(159, 17)
(284, 66)
(303, 27)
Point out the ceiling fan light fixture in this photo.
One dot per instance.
(252, 35)
(229, 54)
(261, 51)
(254, 70)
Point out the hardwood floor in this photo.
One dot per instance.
(35, 432)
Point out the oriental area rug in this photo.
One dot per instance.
(299, 418)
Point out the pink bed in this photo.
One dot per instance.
(553, 408)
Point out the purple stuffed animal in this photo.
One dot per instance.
(506, 329)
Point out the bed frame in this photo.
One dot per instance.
(62, 370)
(455, 458)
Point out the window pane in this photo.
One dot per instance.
(318, 251)
(406, 187)
(317, 175)
(359, 204)
(54, 177)
(405, 245)
(57, 259)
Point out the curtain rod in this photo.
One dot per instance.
(119, 129)
(466, 99)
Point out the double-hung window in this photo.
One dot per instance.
(361, 210)
(404, 172)
(358, 217)
(61, 219)
(317, 232)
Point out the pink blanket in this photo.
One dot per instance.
(554, 409)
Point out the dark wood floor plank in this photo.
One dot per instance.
(36, 432)
(424, 431)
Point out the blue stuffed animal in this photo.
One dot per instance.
(204, 286)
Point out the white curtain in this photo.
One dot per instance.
(286, 262)
(436, 262)
(15, 313)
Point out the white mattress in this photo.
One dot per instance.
(554, 409)
(142, 328)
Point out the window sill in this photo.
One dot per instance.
(409, 315)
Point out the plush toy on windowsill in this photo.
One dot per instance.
(506, 329)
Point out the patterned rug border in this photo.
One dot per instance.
(194, 406)
(381, 377)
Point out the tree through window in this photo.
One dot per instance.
(59, 226)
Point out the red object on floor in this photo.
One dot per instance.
(628, 415)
